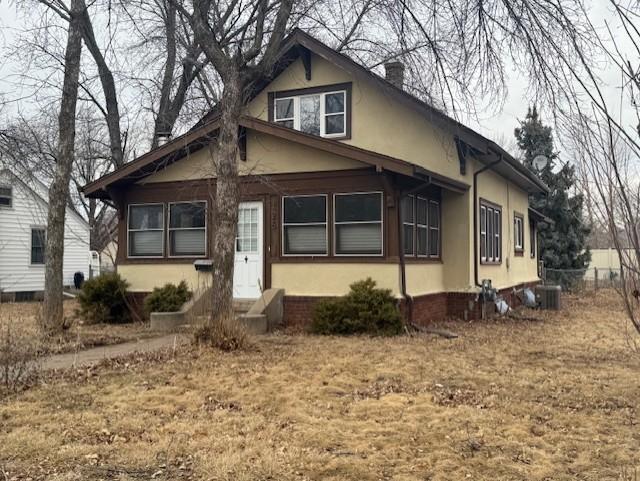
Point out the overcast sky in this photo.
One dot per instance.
(498, 126)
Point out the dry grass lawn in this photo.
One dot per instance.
(22, 317)
(508, 400)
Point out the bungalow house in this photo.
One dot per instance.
(344, 176)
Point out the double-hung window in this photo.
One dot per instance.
(532, 238)
(38, 245)
(358, 223)
(304, 226)
(420, 226)
(5, 196)
(187, 229)
(146, 230)
(490, 233)
(323, 114)
(518, 233)
(408, 224)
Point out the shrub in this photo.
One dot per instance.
(168, 298)
(225, 334)
(102, 299)
(365, 309)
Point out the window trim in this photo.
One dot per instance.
(494, 209)
(163, 230)
(381, 222)
(429, 229)
(414, 229)
(518, 248)
(169, 229)
(415, 226)
(326, 224)
(10, 205)
(533, 241)
(345, 87)
(44, 260)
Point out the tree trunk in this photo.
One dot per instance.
(226, 201)
(52, 319)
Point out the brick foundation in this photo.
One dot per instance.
(428, 308)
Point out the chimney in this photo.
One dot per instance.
(395, 73)
(163, 138)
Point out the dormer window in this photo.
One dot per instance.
(319, 111)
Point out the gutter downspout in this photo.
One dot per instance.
(403, 271)
(475, 217)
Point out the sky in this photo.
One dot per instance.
(498, 126)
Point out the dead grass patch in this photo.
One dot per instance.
(508, 400)
(80, 335)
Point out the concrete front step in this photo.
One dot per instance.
(240, 306)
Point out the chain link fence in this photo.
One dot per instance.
(578, 280)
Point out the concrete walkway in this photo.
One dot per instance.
(97, 354)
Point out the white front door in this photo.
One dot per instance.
(247, 272)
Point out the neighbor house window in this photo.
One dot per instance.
(358, 223)
(38, 244)
(421, 226)
(187, 229)
(490, 233)
(146, 230)
(304, 226)
(317, 113)
(518, 232)
(532, 238)
(5, 196)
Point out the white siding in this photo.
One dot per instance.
(29, 210)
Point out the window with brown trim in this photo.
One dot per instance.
(421, 226)
(518, 233)
(490, 233)
(532, 238)
(187, 229)
(322, 111)
(145, 230)
(357, 219)
(304, 225)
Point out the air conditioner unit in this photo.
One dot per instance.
(548, 297)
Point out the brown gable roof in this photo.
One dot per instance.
(482, 148)
(198, 138)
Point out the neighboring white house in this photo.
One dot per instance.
(23, 220)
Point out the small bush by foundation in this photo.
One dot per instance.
(364, 310)
(102, 299)
(226, 334)
(168, 298)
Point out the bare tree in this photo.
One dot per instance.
(52, 316)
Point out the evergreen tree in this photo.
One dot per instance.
(562, 245)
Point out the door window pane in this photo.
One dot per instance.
(247, 238)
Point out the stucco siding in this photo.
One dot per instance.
(332, 279)
(144, 277)
(265, 155)
(378, 122)
(512, 269)
(17, 274)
